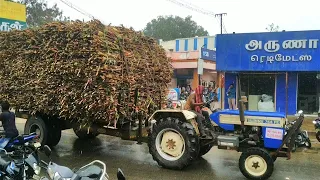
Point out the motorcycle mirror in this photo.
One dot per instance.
(120, 175)
(47, 150)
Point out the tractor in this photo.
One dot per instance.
(174, 140)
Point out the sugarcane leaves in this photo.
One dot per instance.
(87, 72)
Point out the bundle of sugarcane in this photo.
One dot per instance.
(83, 71)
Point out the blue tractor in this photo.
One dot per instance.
(174, 140)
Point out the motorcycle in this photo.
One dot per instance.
(317, 127)
(89, 171)
(24, 160)
(302, 138)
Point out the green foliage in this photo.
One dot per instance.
(173, 27)
(39, 13)
(272, 28)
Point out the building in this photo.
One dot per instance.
(185, 53)
(282, 65)
(12, 16)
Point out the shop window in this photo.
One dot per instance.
(260, 91)
(308, 92)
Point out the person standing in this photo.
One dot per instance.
(231, 93)
(8, 120)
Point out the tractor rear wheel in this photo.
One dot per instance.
(256, 163)
(205, 149)
(174, 144)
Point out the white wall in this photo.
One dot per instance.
(200, 42)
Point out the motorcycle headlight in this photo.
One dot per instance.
(36, 168)
(314, 122)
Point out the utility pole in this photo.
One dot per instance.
(220, 74)
(220, 15)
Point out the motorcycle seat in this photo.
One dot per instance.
(62, 170)
(89, 172)
(4, 142)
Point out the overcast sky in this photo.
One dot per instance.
(242, 15)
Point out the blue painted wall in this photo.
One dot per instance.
(205, 43)
(195, 44)
(177, 45)
(186, 45)
(292, 93)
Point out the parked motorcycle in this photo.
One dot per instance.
(317, 127)
(89, 171)
(24, 160)
(302, 138)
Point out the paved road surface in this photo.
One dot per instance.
(137, 163)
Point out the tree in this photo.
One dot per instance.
(169, 27)
(272, 28)
(39, 13)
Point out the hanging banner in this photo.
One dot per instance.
(12, 16)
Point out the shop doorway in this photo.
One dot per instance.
(260, 91)
(308, 93)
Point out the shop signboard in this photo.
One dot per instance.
(208, 54)
(270, 51)
(12, 16)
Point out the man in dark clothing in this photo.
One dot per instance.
(8, 120)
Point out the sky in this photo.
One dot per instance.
(242, 15)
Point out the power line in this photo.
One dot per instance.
(199, 10)
(77, 9)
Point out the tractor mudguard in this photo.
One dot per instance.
(183, 115)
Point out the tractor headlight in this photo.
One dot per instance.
(36, 168)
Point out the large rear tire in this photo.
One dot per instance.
(205, 149)
(173, 144)
(37, 125)
(55, 135)
(256, 163)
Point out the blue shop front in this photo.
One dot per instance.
(277, 71)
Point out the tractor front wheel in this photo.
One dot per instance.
(174, 144)
(256, 163)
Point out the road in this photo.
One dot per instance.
(138, 164)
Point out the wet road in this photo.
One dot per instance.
(138, 164)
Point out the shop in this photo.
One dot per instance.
(278, 71)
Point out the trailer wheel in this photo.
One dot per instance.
(54, 136)
(205, 149)
(256, 163)
(82, 133)
(37, 125)
(173, 143)
(318, 136)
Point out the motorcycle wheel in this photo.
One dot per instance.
(308, 143)
(318, 136)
